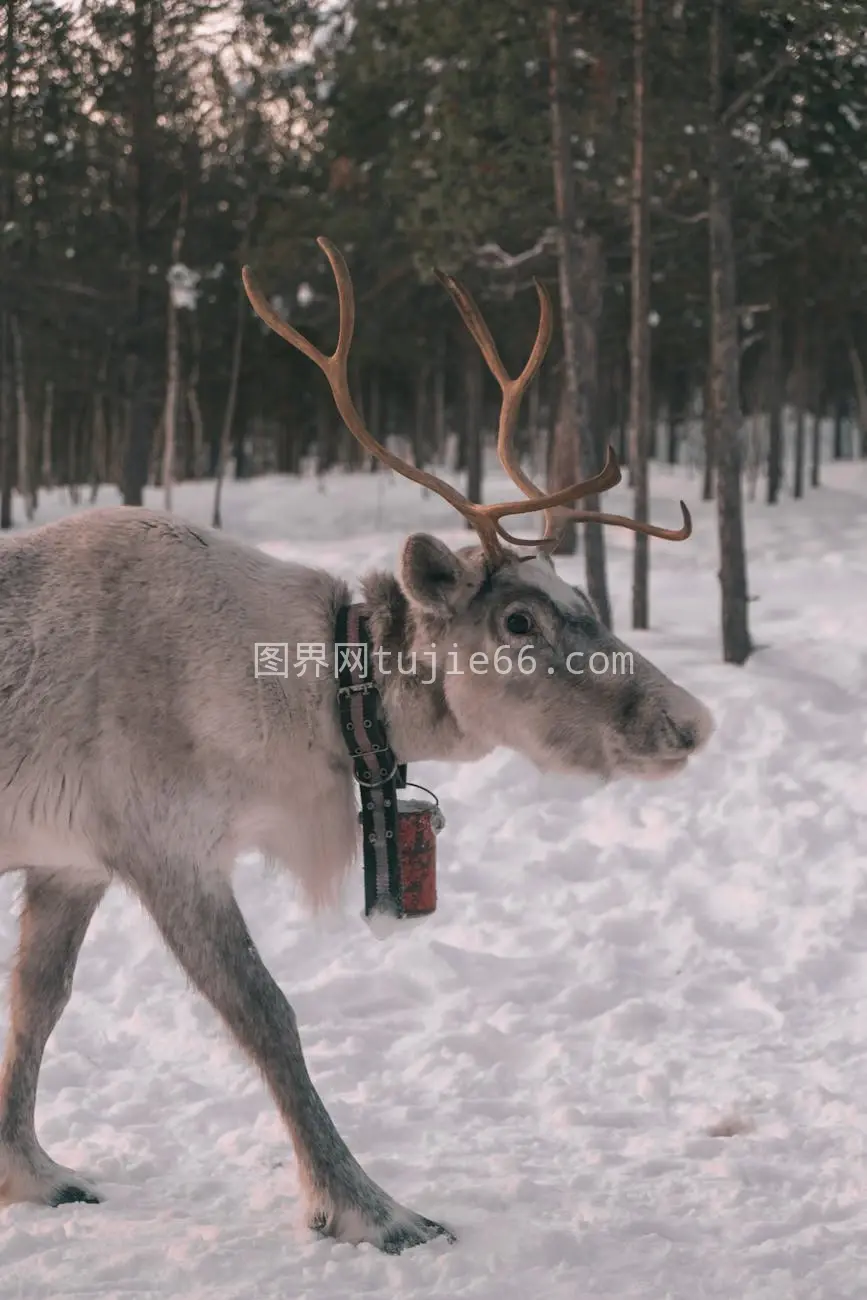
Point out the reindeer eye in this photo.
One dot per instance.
(519, 624)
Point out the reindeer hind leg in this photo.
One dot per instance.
(54, 920)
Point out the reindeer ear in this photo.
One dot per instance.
(430, 574)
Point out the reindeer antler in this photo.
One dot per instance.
(485, 519)
(513, 391)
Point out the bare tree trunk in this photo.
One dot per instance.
(420, 433)
(99, 460)
(46, 473)
(5, 427)
(101, 470)
(375, 396)
(671, 445)
(374, 465)
(231, 401)
(587, 301)
(116, 424)
(776, 394)
(860, 392)
(170, 413)
(753, 458)
(815, 449)
(235, 369)
(25, 480)
(473, 421)
(621, 411)
(198, 453)
(708, 487)
(639, 383)
(155, 459)
(800, 404)
(563, 459)
(293, 450)
(10, 69)
(578, 327)
(72, 464)
(325, 440)
(141, 390)
(439, 404)
(534, 402)
(563, 465)
(800, 437)
(8, 206)
(839, 413)
(725, 353)
(352, 454)
(198, 427)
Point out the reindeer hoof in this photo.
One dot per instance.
(70, 1194)
(404, 1236)
(31, 1176)
(392, 1231)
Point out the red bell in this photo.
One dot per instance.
(418, 823)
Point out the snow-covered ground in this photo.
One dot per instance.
(627, 1057)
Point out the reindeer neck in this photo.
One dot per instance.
(410, 676)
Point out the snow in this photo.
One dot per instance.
(183, 286)
(612, 977)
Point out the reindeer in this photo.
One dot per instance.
(138, 745)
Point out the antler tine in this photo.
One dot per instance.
(512, 389)
(266, 313)
(635, 526)
(346, 314)
(608, 477)
(476, 325)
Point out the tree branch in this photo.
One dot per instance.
(685, 221)
(497, 259)
(784, 61)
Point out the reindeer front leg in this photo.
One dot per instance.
(203, 926)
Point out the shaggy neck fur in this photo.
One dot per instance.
(421, 724)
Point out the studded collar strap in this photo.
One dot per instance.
(377, 771)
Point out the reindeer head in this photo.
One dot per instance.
(524, 662)
(518, 657)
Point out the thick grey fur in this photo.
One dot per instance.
(138, 745)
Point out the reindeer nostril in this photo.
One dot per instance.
(686, 736)
(682, 735)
